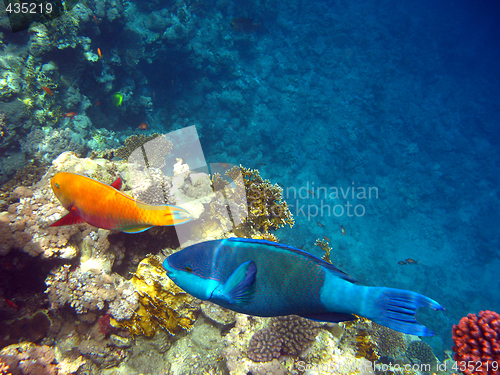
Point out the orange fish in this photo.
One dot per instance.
(95, 19)
(97, 103)
(143, 126)
(326, 238)
(70, 114)
(99, 53)
(103, 206)
(342, 230)
(47, 90)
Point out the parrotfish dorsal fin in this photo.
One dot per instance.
(71, 218)
(117, 184)
(241, 284)
(282, 247)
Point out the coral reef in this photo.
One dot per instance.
(265, 345)
(30, 328)
(27, 358)
(87, 288)
(477, 340)
(254, 204)
(358, 338)
(421, 353)
(323, 245)
(296, 333)
(390, 343)
(162, 304)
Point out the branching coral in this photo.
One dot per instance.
(162, 304)
(323, 244)
(358, 338)
(87, 290)
(254, 205)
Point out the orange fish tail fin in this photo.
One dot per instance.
(178, 215)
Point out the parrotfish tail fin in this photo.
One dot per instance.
(396, 308)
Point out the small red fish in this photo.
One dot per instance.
(342, 229)
(326, 238)
(143, 126)
(11, 303)
(99, 53)
(95, 19)
(47, 90)
(70, 114)
(98, 103)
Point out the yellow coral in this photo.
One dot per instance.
(163, 305)
(266, 209)
(323, 244)
(358, 337)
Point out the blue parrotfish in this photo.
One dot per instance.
(262, 278)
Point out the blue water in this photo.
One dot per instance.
(397, 96)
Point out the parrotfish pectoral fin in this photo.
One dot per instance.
(138, 229)
(117, 184)
(396, 308)
(330, 317)
(241, 284)
(71, 218)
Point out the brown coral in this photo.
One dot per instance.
(285, 335)
(324, 245)
(390, 343)
(297, 333)
(421, 353)
(264, 345)
(155, 150)
(358, 338)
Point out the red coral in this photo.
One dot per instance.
(477, 344)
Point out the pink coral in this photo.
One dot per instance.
(477, 343)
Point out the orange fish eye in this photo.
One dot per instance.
(57, 185)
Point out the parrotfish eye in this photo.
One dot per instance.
(188, 269)
(57, 185)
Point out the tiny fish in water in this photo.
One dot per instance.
(47, 90)
(321, 225)
(326, 238)
(143, 126)
(11, 303)
(240, 274)
(95, 19)
(98, 103)
(70, 114)
(402, 263)
(104, 206)
(311, 192)
(342, 229)
(411, 261)
(246, 25)
(99, 53)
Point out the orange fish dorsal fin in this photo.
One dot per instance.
(71, 218)
(117, 184)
